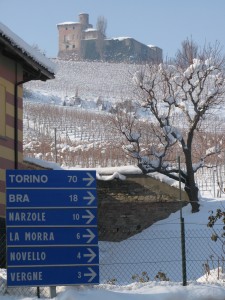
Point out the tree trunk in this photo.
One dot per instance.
(190, 186)
(192, 193)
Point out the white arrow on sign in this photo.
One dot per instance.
(92, 274)
(90, 197)
(90, 179)
(91, 254)
(91, 236)
(89, 216)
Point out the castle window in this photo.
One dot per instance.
(2, 111)
(67, 46)
(66, 28)
(73, 46)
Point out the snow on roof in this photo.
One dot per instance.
(43, 163)
(26, 49)
(121, 38)
(68, 23)
(91, 29)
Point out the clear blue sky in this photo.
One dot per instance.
(164, 23)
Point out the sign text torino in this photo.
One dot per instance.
(30, 178)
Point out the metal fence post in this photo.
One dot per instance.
(183, 252)
(38, 292)
(55, 130)
(52, 291)
(182, 229)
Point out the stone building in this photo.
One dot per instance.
(80, 41)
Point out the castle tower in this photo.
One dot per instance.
(84, 20)
(70, 36)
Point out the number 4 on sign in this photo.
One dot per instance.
(90, 255)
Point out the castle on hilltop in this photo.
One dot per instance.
(80, 41)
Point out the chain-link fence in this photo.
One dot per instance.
(155, 254)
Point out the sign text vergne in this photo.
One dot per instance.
(51, 219)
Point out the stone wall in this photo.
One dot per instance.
(127, 207)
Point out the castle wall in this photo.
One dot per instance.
(70, 35)
(129, 50)
(89, 49)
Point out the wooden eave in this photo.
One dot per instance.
(32, 70)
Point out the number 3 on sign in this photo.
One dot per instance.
(72, 179)
(79, 275)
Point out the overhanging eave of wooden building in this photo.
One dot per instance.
(31, 69)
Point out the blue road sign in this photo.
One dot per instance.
(44, 236)
(36, 256)
(52, 275)
(48, 179)
(51, 217)
(22, 198)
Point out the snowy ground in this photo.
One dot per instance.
(206, 287)
(139, 291)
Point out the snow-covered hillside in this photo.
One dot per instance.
(90, 80)
(68, 119)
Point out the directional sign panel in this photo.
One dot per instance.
(48, 178)
(74, 255)
(51, 216)
(52, 276)
(52, 236)
(51, 198)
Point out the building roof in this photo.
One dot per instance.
(68, 23)
(13, 45)
(90, 29)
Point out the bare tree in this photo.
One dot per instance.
(101, 27)
(180, 99)
(187, 53)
